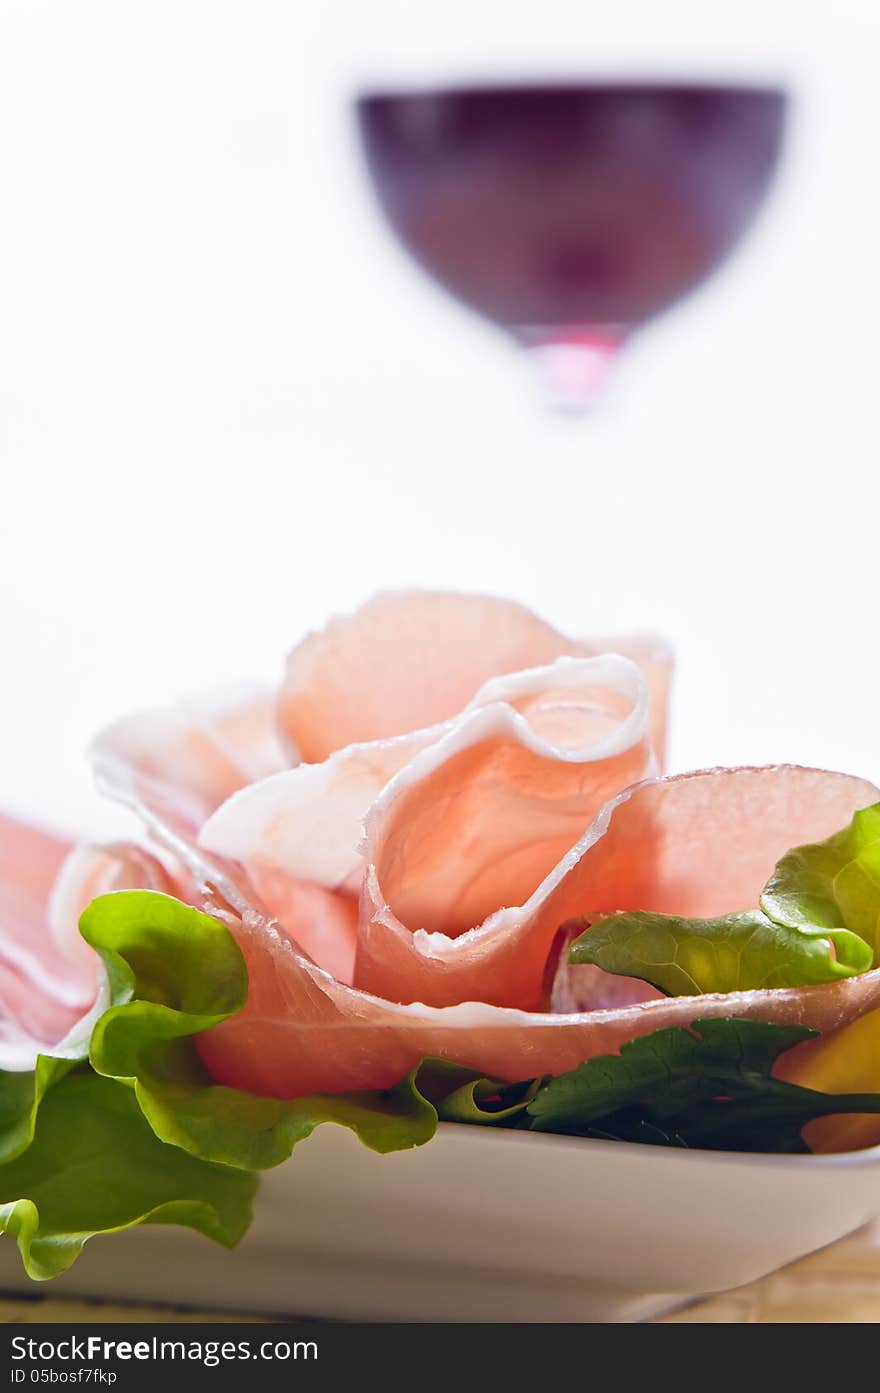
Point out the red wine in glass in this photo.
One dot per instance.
(570, 215)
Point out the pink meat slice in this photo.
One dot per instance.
(411, 659)
(175, 767)
(178, 768)
(322, 923)
(308, 821)
(697, 844)
(38, 997)
(50, 982)
(30, 859)
(462, 846)
(91, 870)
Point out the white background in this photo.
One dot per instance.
(229, 406)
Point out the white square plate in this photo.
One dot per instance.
(483, 1225)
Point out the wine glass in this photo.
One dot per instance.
(570, 213)
(569, 170)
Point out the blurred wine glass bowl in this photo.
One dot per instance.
(570, 214)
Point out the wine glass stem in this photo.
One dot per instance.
(573, 368)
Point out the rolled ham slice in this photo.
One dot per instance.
(698, 844)
(413, 659)
(308, 821)
(356, 698)
(462, 845)
(692, 845)
(40, 997)
(90, 870)
(52, 987)
(175, 767)
(464, 818)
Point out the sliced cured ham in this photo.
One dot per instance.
(553, 744)
(481, 809)
(51, 986)
(218, 777)
(307, 822)
(460, 844)
(175, 767)
(31, 861)
(697, 844)
(301, 1032)
(40, 999)
(412, 659)
(322, 923)
(90, 870)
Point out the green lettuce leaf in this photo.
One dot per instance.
(709, 1086)
(459, 1094)
(833, 884)
(21, 1093)
(184, 972)
(20, 1099)
(141, 1133)
(736, 952)
(94, 1166)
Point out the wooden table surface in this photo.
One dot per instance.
(839, 1285)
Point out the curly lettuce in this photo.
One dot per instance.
(139, 1132)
